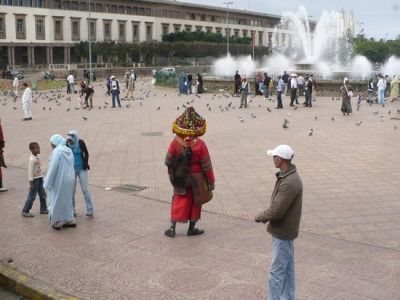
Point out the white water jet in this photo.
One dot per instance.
(276, 64)
(361, 67)
(392, 66)
(227, 66)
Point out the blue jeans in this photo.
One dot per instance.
(381, 96)
(83, 180)
(37, 188)
(115, 94)
(281, 274)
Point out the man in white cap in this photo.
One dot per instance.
(283, 215)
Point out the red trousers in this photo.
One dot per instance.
(183, 208)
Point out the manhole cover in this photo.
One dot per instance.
(152, 133)
(128, 188)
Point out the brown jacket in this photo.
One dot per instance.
(284, 212)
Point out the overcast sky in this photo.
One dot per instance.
(381, 18)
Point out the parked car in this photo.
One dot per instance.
(12, 74)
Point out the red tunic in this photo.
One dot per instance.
(183, 207)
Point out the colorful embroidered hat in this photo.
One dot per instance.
(189, 123)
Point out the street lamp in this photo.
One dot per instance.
(90, 46)
(227, 21)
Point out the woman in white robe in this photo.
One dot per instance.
(59, 181)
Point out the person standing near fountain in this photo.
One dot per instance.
(370, 91)
(293, 90)
(244, 91)
(381, 90)
(266, 83)
(237, 81)
(308, 90)
(300, 85)
(279, 90)
(394, 89)
(285, 78)
(346, 96)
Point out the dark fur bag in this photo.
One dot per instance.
(180, 169)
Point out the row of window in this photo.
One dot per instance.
(169, 12)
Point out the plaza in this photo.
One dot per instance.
(349, 243)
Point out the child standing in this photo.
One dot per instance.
(35, 183)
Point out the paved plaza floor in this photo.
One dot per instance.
(349, 244)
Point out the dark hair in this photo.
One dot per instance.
(25, 84)
(33, 145)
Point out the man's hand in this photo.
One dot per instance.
(259, 219)
(31, 186)
(211, 186)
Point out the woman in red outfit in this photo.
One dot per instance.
(187, 144)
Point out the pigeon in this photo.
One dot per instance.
(395, 126)
(141, 104)
(253, 116)
(68, 109)
(84, 118)
(315, 118)
(44, 108)
(310, 133)
(333, 119)
(158, 108)
(389, 112)
(209, 109)
(105, 102)
(375, 112)
(15, 108)
(295, 108)
(359, 123)
(49, 108)
(269, 109)
(259, 105)
(285, 124)
(177, 108)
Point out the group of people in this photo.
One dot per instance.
(68, 162)
(186, 85)
(292, 84)
(192, 178)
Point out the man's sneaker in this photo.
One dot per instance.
(3, 189)
(27, 215)
(44, 212)
(90, 215)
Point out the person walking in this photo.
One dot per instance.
(381, 90)
(347, 93)
(283, 217)
(280, 88)
(285, 78)
(237, 81)
(199, 84)
(189, 83)
(115, 91)
(108, 85)
(71, 83)
(15, 86)
(266, 83)
(35, 177)
(370, 89)
(2, 162)
(308, 86)
(394, 89)
(59, 181)
(81, 166)
(293, 90)
(190, 171)
(27, 102)
(244, 92)
(300, 84)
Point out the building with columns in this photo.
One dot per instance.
(43, 32)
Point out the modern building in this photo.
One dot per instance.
(43, 32)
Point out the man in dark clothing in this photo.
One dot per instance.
(89, 96)
(266, 83)
(308, 86)
(237, 82)
(285, 78)
(283, 217)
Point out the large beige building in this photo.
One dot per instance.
(42, 32)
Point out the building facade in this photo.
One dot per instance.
(43, 32)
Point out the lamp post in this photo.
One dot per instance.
(90, 46)
(227, 29)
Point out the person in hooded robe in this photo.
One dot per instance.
(182, 83)
(394, 89)
(237, 82)
(60, 181)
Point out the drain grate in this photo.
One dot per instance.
(152, 133)
(129, 188)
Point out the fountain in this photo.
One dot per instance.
(323, 48)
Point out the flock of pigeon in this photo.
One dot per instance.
(53, 99)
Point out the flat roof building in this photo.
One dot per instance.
(43, 32)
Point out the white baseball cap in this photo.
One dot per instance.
(283, 151)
